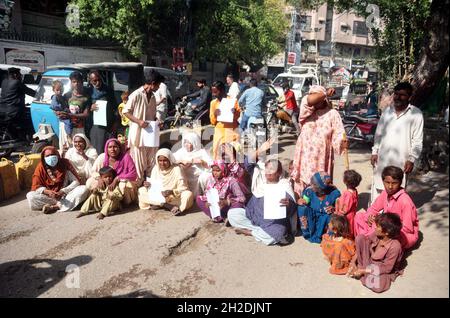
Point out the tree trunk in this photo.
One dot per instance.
(433, 60)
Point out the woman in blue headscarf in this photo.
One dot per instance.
(316, 206)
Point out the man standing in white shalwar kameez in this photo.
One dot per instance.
(398, 138)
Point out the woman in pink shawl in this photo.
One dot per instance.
(118, 158)
(230, 193)
(321, 137)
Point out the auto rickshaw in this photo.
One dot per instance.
(119, 76)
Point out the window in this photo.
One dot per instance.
(305, 23)
(45, 89)
(360, 28)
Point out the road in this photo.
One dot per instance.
(153, 254)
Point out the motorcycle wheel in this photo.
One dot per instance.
(169, 123)
(352, 131)
(5, 136)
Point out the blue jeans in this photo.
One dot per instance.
(244, 122)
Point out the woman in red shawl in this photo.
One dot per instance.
(118, 158)
(56, 184)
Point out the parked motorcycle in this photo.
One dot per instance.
(359, 129)
(184, 115)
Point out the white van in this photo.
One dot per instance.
(178, 84)
(300, 78)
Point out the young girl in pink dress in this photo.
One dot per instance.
(348, 202)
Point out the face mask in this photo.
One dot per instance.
(52, 161)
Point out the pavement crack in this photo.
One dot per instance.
(17, 235)
(192, 241)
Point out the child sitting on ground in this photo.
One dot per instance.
(59, 104)
(103, 199)
(378, 256)
(348, 202)
(337, 246)
(393, 199)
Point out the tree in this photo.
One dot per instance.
(232, 30)
(141, 26)
(433, 61)
(413, 42)
(223, 30)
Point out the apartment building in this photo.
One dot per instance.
(340, 39)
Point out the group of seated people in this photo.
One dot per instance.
(366, 244)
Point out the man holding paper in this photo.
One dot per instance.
(102, 117)
(270, 214)
(141, 111)
(223, 114)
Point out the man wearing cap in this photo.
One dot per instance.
(12, 99)
(203, 95)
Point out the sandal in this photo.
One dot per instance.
(218, 219)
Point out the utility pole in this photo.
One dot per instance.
(292, 45)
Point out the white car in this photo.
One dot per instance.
(300, 78)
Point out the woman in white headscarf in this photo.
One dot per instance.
(194, 162)
(177, 197)
(82, 156)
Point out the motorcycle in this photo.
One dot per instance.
(185, 115)
(274, 121)
(14, 135)
(359, 129)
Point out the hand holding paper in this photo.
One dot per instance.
(226, 110)
(155, 191)
(100, 113)
(150, 135)
(273, 195)
(213, 199)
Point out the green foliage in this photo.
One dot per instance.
(248, 30)
(400, 40)
(232, 30)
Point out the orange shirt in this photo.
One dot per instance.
(215, 105)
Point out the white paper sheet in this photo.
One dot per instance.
(212, 197)
(100, 113)
(273, 193)
(150, 135)
(154, 193)
(226, 105)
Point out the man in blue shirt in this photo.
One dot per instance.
(252, 99)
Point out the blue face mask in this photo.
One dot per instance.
(52, 160)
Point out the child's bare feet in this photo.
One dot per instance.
(100, 216)
(175, 210)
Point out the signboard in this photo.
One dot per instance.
(292, 56)
(33, 59)
(178, 59)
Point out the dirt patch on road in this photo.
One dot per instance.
(17, 235)
(76, 241)
(194, 240)
(188, 286)
(121, 281)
